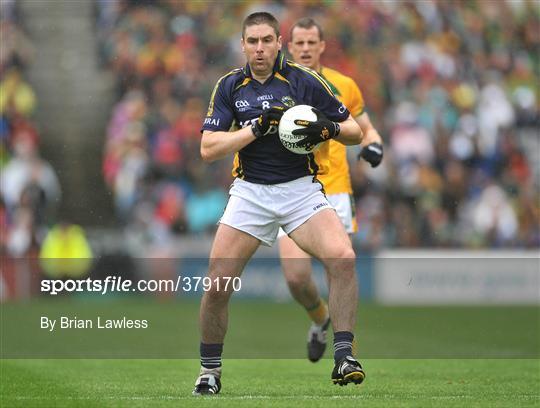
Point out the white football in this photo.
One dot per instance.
(287, 125)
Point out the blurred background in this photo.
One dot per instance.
(101, 105)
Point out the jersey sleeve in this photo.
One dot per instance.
(220, 114)
(324, 99)
(356, 104)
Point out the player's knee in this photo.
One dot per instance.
(344, 253)
(297, 281)
(217, 295)
(347, 252)
(297, 272)
(342, 260)
(216, 286)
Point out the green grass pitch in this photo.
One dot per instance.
(273, 383)
(455, 356)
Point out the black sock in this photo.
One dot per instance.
(342, 344)
(211, 355)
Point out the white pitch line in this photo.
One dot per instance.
(266, 397)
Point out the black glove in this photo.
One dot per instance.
(372, 153)
(316, 132)
(268, 122)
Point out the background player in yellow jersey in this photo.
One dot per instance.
(306, 46)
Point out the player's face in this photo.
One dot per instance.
(306, 47)
(261, 47)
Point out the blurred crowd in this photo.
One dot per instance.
(29, 187)
(30, 193)
(453, 87)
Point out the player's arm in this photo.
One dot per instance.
(370, 133)
(339, 124)
(372, 145)
(351, 133)
(347, 131)
(216, 145)
(219, 144)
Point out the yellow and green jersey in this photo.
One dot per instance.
(337, 179)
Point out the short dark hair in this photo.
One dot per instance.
(260, 17)
(307, 23)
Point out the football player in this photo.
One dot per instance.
(306, 46)
(275, 188)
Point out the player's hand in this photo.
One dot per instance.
(268, 122)
(316, 132)
(372, 153)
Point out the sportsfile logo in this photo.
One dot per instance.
(319, 206)
(117, 284)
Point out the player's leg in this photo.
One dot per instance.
(324, 237)
(230, 252)
(296, 267)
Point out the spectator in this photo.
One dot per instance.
(16, 96)
(65, 252)
(26, 172)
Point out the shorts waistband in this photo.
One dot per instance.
(301, 180)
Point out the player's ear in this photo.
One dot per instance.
(279, 42)
(242, 44)
(323, 46)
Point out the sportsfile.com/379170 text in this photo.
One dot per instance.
(117, 284)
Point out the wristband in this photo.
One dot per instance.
(337, 129)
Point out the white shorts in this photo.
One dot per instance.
(260, 209)
(342, 203)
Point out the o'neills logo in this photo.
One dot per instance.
(319, 206)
